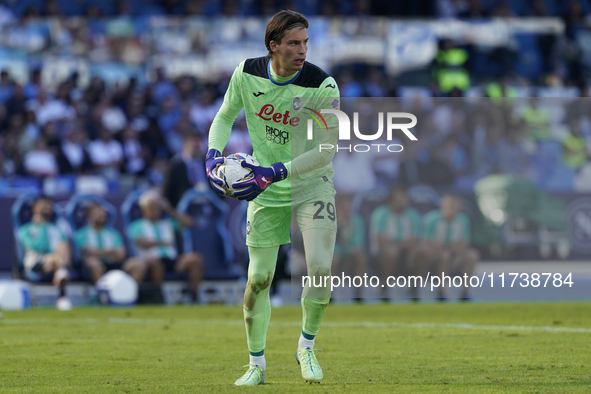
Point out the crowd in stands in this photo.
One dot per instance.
(329, 8)
(135, 131)
(131, 130)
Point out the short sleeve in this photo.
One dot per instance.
(23, 237)
(80, 238)
(466, 233)
(415, 222)
(429, 225)
(378, 220)
(134, 231)
(176, 225)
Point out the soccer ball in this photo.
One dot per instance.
(117, 288)
(232, 171)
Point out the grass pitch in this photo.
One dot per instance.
(402, 348)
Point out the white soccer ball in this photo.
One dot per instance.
(232, 171)
(63, 304)
(117, 288)
(14, 295)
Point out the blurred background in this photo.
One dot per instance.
(502, 87)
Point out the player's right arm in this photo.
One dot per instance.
(221, 128)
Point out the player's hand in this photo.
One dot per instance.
(213, 160)
(262, 179)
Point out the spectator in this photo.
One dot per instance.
(349, 254)
(446, 234)
(135, 115)
(170, 114)
(12, 160)
(162, 87)
(73, 158)
(41, 162)
(349, 87)
(134, 152)
(101, 247)
(6, 86)
(16, 103)
(375, 85)
(396, 228)
(111, 116)
(154, 238)
(106, 153)
(46, 249)
(186, 170)
(33, 87)
(204, 110)
(49, 110)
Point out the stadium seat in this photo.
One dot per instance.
(209, 235)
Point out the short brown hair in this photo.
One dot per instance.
(280, 23)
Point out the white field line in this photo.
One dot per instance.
(362, 324)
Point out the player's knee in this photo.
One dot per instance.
(319, 271)
(259, 281)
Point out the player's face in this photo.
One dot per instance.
(291, 53)
(450, 207)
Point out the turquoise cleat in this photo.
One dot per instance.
(311, 371)
(254, 376)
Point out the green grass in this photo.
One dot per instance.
(202, 349)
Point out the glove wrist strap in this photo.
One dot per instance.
(213, 153)
(279, 172)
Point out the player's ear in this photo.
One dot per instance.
(273, 46)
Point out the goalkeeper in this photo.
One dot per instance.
(276, 91)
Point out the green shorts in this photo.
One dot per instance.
(269, 226)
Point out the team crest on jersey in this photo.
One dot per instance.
(296, 104)
(248, 227)
(335, 103)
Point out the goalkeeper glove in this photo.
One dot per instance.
(213, 160)
(262, 178)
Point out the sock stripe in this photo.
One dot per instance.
(308, 336)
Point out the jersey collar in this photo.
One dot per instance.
(281, 83)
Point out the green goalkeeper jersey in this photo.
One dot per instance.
(277, 112)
